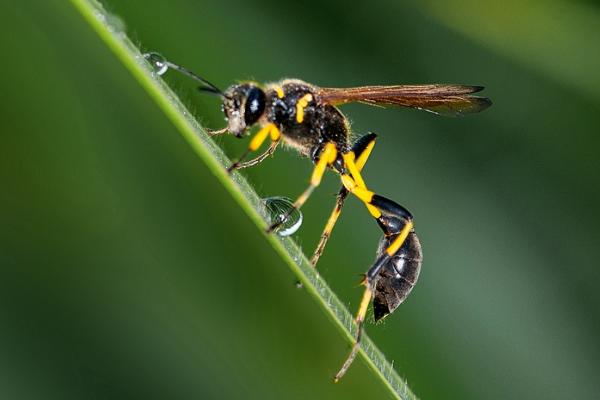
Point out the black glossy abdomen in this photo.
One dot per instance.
(398, 276)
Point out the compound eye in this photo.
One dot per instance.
(255, 105)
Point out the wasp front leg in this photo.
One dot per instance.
(260, 158)
(269, 130)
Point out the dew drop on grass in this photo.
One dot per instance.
(277, 208)
(158, 62)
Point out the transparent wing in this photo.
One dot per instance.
(449, 100)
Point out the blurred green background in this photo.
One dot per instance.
(127, 271)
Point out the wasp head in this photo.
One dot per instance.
(243, 106)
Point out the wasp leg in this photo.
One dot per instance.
(269, 130)
(335, 214)
(377, 205)
(369, 282)
(359, 319)
(402, 228)
(260, 158)
(217, 132)
(393, 220)
(327, 157)
(362, 148)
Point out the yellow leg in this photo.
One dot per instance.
(327, 157)
(335, 214)
(399, 241)
(359, 319)
(363, 194)
(337, 209)
(364, 156)
(368, 295)
(377, 206)
(269, 130)
(361, 191)
(353, 169)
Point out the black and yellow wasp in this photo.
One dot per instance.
(306, 118)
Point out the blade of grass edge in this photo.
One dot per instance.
(110, 30)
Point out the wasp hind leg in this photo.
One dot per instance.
(362, 148)
(392, 224)
(359, 319)
(395, 221)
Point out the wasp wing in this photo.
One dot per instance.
(449, 100)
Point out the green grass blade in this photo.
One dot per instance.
(111, 32)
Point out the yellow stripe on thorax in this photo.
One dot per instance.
(301, 105)
(279, 91)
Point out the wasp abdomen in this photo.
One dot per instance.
(398, 276)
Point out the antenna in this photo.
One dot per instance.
(161, 65)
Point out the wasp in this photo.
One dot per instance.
(308, 119)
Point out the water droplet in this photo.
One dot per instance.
(158, 62)
(277, 208)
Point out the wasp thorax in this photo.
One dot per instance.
(243, 105)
